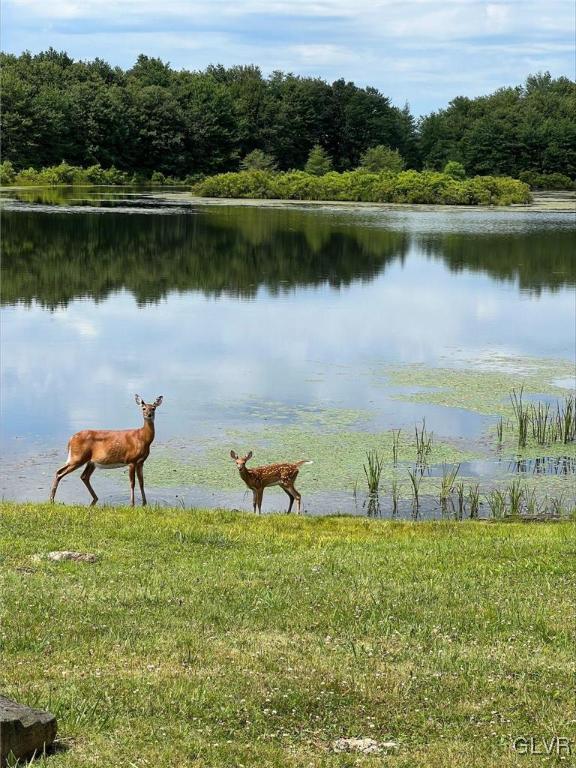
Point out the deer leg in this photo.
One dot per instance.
(254, 499)
(296, 495)
(287, 492)
(140, 473)
(132, 475)
(259, 500)
(62, 472)
(85, 477)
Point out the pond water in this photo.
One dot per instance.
(277, 329)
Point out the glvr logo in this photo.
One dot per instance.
(532, 745)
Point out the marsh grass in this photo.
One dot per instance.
(496, 500)
(175, 650)
(395, 445)
(424, 440)
(474, 501)
(449, 475)
(415, 476)
(522, 415)
(373, 467)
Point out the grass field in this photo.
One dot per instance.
(225, 639)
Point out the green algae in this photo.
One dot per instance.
(338, 457)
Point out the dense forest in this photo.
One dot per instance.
(189, 124)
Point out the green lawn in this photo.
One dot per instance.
(224, 639)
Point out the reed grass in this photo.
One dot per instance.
(496, 500)
(515, 494)
(395, 445)
(474, 500)
(373, 470)
(424, 440)
(522, 414)
(415, 479)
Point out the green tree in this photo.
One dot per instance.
(319, 162)
(257, 160)
(381, 158)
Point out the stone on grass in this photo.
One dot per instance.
(79, 557)
(364, 746)
(23, 730)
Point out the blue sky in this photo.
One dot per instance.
(421, 51)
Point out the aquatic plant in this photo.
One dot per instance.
(515, 497)
(395, 489)
(447, 483)
(373, 470)
(474, 500)
(461, 499)
(522, 414)
(566, 419)
(423, 444)
(496, 502)
(415, 478)
(395, 445)
(500, 430)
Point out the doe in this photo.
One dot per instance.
(259, 478)
(110, 449)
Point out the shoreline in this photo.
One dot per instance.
(551, 202)
(557, 201)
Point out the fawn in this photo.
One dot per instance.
(259, 478)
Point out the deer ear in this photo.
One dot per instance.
(158, 401)
(138, 399)
(233, 455)
(248, 456)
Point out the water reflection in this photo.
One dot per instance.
(53, 258)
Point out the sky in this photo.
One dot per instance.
(424, 52)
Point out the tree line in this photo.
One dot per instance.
(189, 124)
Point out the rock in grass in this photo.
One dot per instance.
(364, 746)
(23, 730)
(80, 557)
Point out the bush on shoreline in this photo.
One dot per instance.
(66, 174)
(549, 181)
(427, 187)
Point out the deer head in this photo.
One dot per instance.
(148, 409)
(240, 463)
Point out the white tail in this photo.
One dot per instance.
(110, 449)
(259, 478)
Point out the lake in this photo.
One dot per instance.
(295, 331)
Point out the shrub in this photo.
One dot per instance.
(158, 178)
(319, 161)
(537, 180)
(454, 169)
(7, 172)
(430, 187)
(381, 158)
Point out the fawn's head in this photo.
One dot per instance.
(148, 409)
(240, 462)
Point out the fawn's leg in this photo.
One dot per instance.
(254, 499)
(86, 475)
(259, 500)
(296, 495)
(287, 492)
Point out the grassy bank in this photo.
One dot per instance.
(426, 187)
(223, 639)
